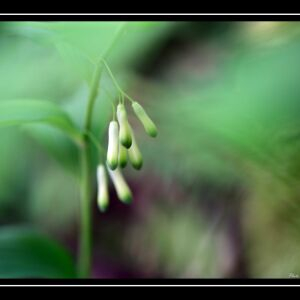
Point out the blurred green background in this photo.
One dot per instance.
(218, 196)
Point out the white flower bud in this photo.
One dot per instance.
(134, 153)
(122, 189)
(125, 136)
(148, 124)
(113, 145)
(103, 196)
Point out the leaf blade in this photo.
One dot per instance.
(25, 253)
(19, 112)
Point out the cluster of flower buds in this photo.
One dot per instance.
(122, 147)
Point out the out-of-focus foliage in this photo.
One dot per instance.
(271, 220)
(249, 111)
(13, 169)
(228, 127)
(82, 45)
(26, 253)
(18, 112)
(165, 235)
(54, 185)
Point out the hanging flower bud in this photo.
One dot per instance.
(149, 126)
(103, 197)
(122, 156)
(134, 154)
(125, 136)
(113, 145)
(122, 189)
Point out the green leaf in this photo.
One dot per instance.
(81, 44)
(11, 143)
(25, 253)
(93, 39)
(19, 112)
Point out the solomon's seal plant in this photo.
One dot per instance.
(122, 148)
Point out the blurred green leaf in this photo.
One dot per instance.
(25, 253)
(56, 144)
(18, 112)
(254, 107)
(93, 39)
(75, 59)
(17, 177)
(81, 44)
(30, 70)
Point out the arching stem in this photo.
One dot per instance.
(85, 242)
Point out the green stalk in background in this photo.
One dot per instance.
(85, 243)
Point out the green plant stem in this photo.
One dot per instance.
(115, 82)
(111, 76)
(85, 242)
(96, 143)
(84, 260)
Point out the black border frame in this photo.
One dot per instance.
(150, 17)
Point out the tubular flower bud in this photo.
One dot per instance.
(125, 136)
(103, 197)
(148, 124)
(113, 145)
(122, 156)
(134, 154)
(122, 189)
